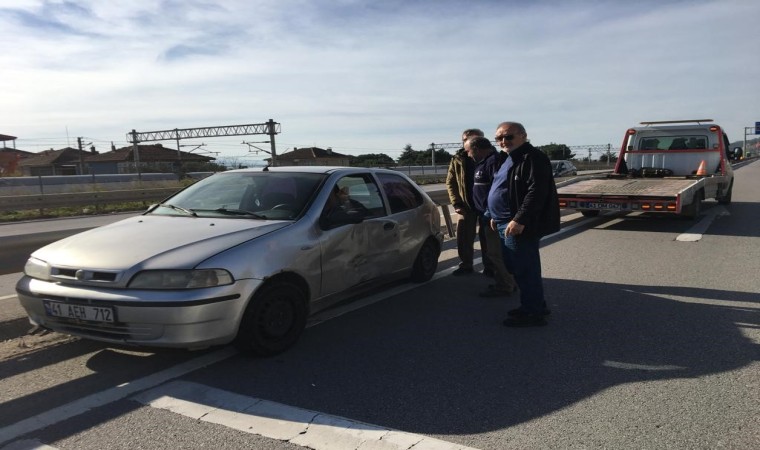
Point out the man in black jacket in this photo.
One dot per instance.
(523, 206)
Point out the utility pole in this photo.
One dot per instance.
(81, 156)
(432, 154)
(271, 132)
(136, 152)
(609, 155)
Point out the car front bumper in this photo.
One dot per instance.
(185, 319)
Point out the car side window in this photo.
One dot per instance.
(361, 194)
(402, 195)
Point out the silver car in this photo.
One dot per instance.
(243, 256)
(563, 168)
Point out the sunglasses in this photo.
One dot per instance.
(506, 137)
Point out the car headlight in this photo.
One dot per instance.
(180, 279)
(37, 268)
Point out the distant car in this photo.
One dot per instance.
(242, 256)
(563, 169)
(736, 154)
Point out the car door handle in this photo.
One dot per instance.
(389, 226)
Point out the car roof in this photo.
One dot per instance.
(313, 169)
(689, 127)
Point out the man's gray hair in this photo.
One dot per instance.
(518, 125)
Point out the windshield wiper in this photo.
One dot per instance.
(239, 212)
(189, 212)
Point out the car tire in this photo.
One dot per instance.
(590, 212)
(273, 320)
(426, 262)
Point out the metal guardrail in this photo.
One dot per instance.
(46, 201)
(97, 199)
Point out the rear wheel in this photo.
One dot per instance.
(590, 212)
(273, 320)
(692, 210)
(427, 262)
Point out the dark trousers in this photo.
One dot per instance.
(522, 258)
(466, 230)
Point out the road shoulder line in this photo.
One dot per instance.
(273, 420)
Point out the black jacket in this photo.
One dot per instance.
(533, 198)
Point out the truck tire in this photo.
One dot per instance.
(590, 212)
(692, 210)
(726, 199)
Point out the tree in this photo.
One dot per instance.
(557, 151)
(603, 157)
(410, 157)
(372, 160)
(442, 157)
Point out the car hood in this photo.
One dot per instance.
(154, 242)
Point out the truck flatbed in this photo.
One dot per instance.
(596, 187)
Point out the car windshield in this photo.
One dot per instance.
(555, 165)
(254, 195)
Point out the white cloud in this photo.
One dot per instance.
(374, 76)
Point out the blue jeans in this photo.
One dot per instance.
(522, 258)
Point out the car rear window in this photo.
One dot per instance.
(402, 195)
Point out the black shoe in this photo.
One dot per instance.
(488, 272)
(462, 271)
(525, 320)
(519, 312)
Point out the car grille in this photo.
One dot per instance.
(113, 331)
(83, 276)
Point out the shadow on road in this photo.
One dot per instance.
(438, 361)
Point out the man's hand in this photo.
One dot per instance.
(514, 229)
(459, 211)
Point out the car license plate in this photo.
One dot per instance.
(603, 205)
(80, 312)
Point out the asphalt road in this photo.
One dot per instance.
(653, 342)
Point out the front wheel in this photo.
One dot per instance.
(273, 320)
(426, 262)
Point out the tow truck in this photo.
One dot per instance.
(666, 167)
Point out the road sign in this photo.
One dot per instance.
(757, 127)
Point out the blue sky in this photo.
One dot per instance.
(372, 77)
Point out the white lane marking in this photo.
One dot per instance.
(631, 366)
(99, 399)
(28, 444)
(273, 420)
(695, 233)
(6, 297)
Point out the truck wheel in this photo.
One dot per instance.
(692, 211)
(590, 212)
(726, 199)
(273, 320)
